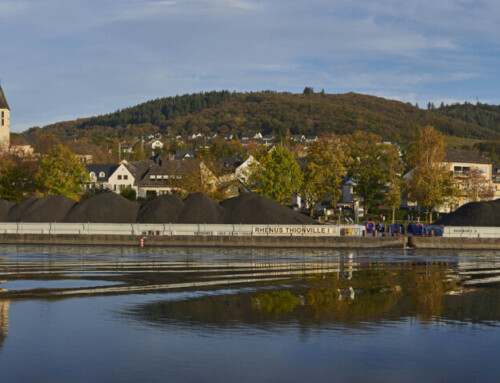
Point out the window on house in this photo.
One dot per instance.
(3, 115)
(101, 174)
(125, 177)
(92, 175)
(119, 177)
(152, 177)
(461, 169)
(2, 122)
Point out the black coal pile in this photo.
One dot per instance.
(162, 209)
(200, 208)
(474, 214)
(51, 208)
(17, 211)
(252, 208)
(5, 206)
(104, 208)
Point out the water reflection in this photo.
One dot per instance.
(4, 320)
(425, 291)
(190, 313)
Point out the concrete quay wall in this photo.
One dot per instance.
(458, 243)
(206, 241)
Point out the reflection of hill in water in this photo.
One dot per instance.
(371, 296)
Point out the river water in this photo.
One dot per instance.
(107, 314)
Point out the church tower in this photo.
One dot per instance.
(4, 121)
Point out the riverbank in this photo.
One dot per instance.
(324, 242)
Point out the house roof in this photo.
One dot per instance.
(3, 100)
(107, 169)
(23, 140)
(183, 154)
(230, 161)
(146, 169)
(465, 156)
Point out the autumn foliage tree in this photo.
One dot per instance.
(326, 161)
(17, 176)
(61, 173)
(278, 176)
(478, 186)
(374, 165)
(429, 183)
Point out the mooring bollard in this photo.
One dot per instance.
(142, 241)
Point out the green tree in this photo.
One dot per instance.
(308, 90)
(61, 173)
(374, 165)
(17, 177)
(393, 194)
(429, 182)
(278, 176)
(129, 193)
(326, 161)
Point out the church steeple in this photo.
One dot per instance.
(4, 121)
(3, 100)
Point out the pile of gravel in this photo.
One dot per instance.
(200, 208)
(5, 206)
(474, 214)
(162, 209)
(51, 208)
(196, 208)
(104, 208)
(252, 208)
(17, 211)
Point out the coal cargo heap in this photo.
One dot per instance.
(162, 209)
(252, 208)
(104, 208)
(474, 214)
(17, 211)
(200, 208)
(5, 206)
(51, 208)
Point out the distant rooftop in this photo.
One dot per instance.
(465, 156)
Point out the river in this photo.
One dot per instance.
(129, 314)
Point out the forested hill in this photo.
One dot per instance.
(484, 115)
(272, 112)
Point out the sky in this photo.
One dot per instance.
(65, 59)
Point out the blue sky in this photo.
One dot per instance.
(63, 59)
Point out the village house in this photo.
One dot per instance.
(156, 144)
(160, 175)
(114, 177)
(183, 155)
(22, 146)
(460, 163)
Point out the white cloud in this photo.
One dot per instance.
(114, 53)
(185, 8)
